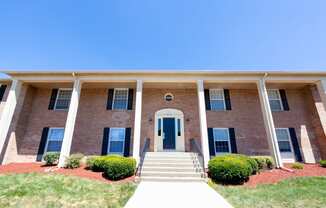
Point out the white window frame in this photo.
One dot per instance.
(48, 137)
(228, 140)
(114, 91)
(287, 156)
(56, 99)
(278, 99)
(210, 99)
(109, 142)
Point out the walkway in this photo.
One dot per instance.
(176, 195)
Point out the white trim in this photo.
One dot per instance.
(279, 99)
(113, 101)
(179, 140)
(210, 100)
(56, 99)
(228, 140)
(123, 141)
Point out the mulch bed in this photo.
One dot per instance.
(39, 168)
(276, 175)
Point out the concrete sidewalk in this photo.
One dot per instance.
(176, 195)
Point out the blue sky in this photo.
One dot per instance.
(163, 34)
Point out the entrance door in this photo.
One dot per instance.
(168, 133)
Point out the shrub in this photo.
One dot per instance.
(90, 162)
(98, 163)
(254, 165)
(118, 167)
(230, 169)
(51, 158)
(322, 163)
(73, 161)
(264, 162)
(297, 166)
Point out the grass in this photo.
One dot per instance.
(55, 190)
(293, 193)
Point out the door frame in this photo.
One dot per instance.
(179, 140)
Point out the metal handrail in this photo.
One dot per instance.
(142, 156)
(194, 147)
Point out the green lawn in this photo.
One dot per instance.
(54, 190)
(297, 193)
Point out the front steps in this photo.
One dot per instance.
(171, 166)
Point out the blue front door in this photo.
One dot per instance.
(169, 133)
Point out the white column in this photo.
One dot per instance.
(269, 123)
(321, 86)
(203, 121)
(8, 111)
(137, 125)
(70, 123)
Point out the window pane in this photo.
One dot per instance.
(54, 146)
(284, 146)
(159, 127)
(273, 94)
(117, 134)
(275, 105)
(221, 135)
(217, 105)
(63, 99)
(221, 146)
(116, 147)
(56, 134)
(216, 94)
(282, 135)
(120, 100)
(179, 127)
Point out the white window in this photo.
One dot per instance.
(116, 141)
(283, 138)
(221, 140)
(63, 99)
(120, 99)
(275, 100)
(217, 100)
(54, 140)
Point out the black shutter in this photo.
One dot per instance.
(295, 145)
(233, 141)
(284, 100)
(105, 142)
(110, 99)
(41, 147)
(211, 142)
(2, 91)
(227, 99)
(127, 143)
(53, 99)
(207, 99)
(130, 98)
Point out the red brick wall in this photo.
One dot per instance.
(246, 117)
(93, 117)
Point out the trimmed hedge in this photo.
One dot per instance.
(322, 163)
(230, 169)
(264, 162)
(115, 167)
(73, 161)
(51, 158)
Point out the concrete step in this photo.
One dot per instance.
(170, 169)
(170, 174)
(171, 179)
(168, 164)
(160, 155)
(177, 160)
